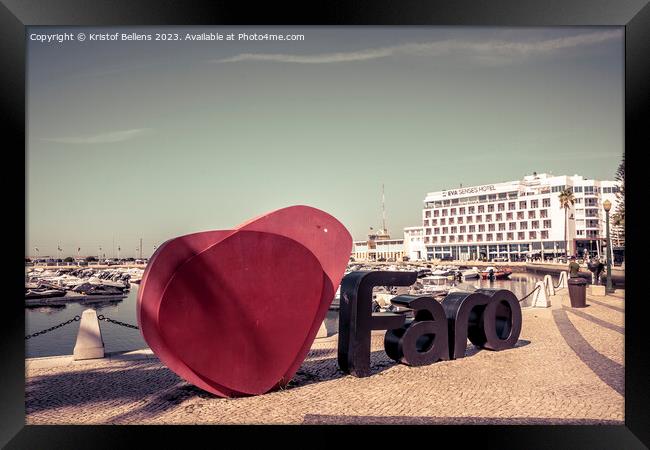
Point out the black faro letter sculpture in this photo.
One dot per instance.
(489, 318)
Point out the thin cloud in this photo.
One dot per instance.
(103, 138)
(482, 49)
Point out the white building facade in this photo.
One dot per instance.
(513, 219)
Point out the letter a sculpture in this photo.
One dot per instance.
(235, 312)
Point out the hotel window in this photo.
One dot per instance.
(545, 234)
(492, 197)
(434, 222)
(451, 220)
(547, 224)
(488, 237)
(469, 238)
(427, 213)
(523, 225)
(557, 188)
(532, 234)
(592, 223)
(444, 230)
(577, 188)
(436, 231)
(499, 217)
(461, 211)
(479, 238)
(452, 212)
(543, 213)
(460, 238)
(510, 236)
(462, 229)
(534, 203)
(501, 207)
(589, 190)
(426, 223)
(481, 208)
(452, 238)
(512, 206)
(534, 224)
(512, 226)
(488, 217)
(520, 215)
(479, 219)
(460, 220)
(546, 202)
(499, 236)
(436, 213)
(521, 235)
(522, 204)
(490, 208)
(580, 232)
(503, 195)
(443, 221)
(491, 227)
(428, 231)
(531, 215)
(452, 230)
(470, 210)
(472, 228)
(444, 212)
(509, 216)
(481, 228)
(434, 240)
(469, 219)
(443, 239)
(502, 227)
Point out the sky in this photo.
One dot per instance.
(156, 139)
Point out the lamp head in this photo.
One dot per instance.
(607, 205)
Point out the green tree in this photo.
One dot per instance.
(567, 200)
(90, 258)
(68, 259)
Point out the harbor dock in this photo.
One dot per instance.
(567, 368)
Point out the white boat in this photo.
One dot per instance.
(435, 284)
(470, 273)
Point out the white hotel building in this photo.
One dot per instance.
(512, 219)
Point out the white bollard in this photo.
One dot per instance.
(89, 338)
(563, 284)
(548, 282)
(540, 300)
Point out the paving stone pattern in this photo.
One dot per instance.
(567, 368)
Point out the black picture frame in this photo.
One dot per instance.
(634, 15)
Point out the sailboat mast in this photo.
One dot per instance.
(383, 208)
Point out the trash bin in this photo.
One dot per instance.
(578, 292)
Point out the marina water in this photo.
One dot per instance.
(118, 338)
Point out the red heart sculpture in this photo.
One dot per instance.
(235, 312)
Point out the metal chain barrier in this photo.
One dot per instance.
(116, 322)
(74, 319)
(531, 293)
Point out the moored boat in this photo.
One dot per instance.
(499, 273)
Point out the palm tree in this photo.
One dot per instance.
(618, 218)
(566, 201)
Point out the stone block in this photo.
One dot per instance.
(89, 338)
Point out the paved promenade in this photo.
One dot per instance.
(567, 368)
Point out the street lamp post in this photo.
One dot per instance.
(607, 205)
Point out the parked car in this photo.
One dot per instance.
(500, 259)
